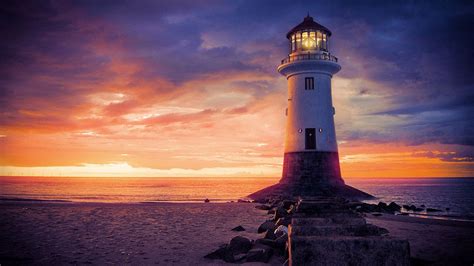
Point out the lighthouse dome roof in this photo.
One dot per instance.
(308, 24)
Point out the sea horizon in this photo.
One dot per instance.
(451, 196)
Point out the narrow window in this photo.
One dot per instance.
(309, 83)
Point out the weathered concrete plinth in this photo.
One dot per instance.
(325, 231)
(309, 174)
(312, 167)
(342, 250)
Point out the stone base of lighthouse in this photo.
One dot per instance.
(310, 174)
(312, 167)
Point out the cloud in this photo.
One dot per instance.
(154, 78)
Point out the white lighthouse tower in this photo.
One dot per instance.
(311, 154)
(311, 160)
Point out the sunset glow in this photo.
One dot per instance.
(186, 90)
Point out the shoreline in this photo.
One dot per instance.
(7, 200)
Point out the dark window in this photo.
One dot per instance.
(310, 138)
(309, 83)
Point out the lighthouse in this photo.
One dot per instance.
(311, 154)
(311, 158)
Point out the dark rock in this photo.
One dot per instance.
(292, 209)
(412, 208)
(394, 207)
(382, 205)
(280, 242)
(377, 214)
(404, 214)
(238, 228)
(365, 208)
(284, 221)
(261, 253)
(206, 200)
(447, 209)
(243, 201)
(272, 211)
(267, 225)
(218, 253)
(263, 207)
(287, 204)
(279, 213)
(422, 206)
(268, 242)
(239, 257)
(239, 244)
(433, 210)
(270, 234)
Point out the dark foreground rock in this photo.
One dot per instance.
(265, 226)
(239, 244)
(238, 228)
(259, 253)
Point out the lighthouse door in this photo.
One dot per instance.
(310, 138)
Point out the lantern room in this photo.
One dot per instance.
(308, 36)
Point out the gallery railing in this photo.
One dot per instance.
(309, 56)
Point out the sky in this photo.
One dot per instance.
(190, 88)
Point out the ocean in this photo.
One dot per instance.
(453, 196)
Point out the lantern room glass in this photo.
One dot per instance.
(308, 40)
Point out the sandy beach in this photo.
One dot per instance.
(88, 233)
(432, 241)
(179, 233)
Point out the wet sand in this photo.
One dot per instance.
(432, 241)
(100, 233)
(178, 234)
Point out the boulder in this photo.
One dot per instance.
(280, 242)
(239, 244)
(432, 210)
(218, 253)
(382, 205)
(238, 228)
(267, 242)
(270, 234)
(279, 213)
(263, 207)
(287, 204)
(206, 200)
(260, 253)
(394, 207)
(265, 226)
(284, 221)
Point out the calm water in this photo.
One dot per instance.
(454, 193)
